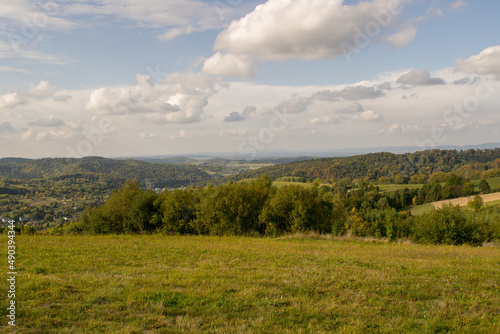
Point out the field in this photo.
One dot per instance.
(462, 201)
(421, 209)
(158, 284)
(494, 182)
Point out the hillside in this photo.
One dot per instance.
(147, 173)
(470, 163)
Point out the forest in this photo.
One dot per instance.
(387, 167)
(362, 201)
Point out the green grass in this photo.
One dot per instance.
(493, 203)
(421, 209)
(494, 183)
(156, 284)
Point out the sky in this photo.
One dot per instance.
(149, 77)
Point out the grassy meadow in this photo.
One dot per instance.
(160, 284)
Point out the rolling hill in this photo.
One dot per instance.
(375, 165)
(150, 174)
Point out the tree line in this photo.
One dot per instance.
(417, 167)
(257, 208)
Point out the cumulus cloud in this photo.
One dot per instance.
(301, 29)
(368, 115)
(237, 117)
(486, 62)
(397, 129)
(241, 66)
(180, 98)
(419, 78)
(234, 117)
(306, 30)
(294, 105)
(42, 91)
(12, 100)
(54, 134)
(349, 93)
(354, 108)
(49, 121)
(324, 120)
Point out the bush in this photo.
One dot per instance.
(298, 209)
(233, 209)
(449, 225)
(128, 210)
(28, 230)
(476, 204)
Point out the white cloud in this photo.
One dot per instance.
(324, 120)
(35, 15)
(54, 134)
(241, 66)
(419, 78)
(397, 129)
(368, 115)
(12, 100)
(180, 98)
(402, 37)
(17, 49)
(175, 32)
(294, 105)
(6, 69)
(177, 17)
(486, 62)
(41, 91)
(301, 29)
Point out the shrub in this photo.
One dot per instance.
(28, 230)
(449, 225)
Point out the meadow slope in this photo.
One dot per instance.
(158, 284)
